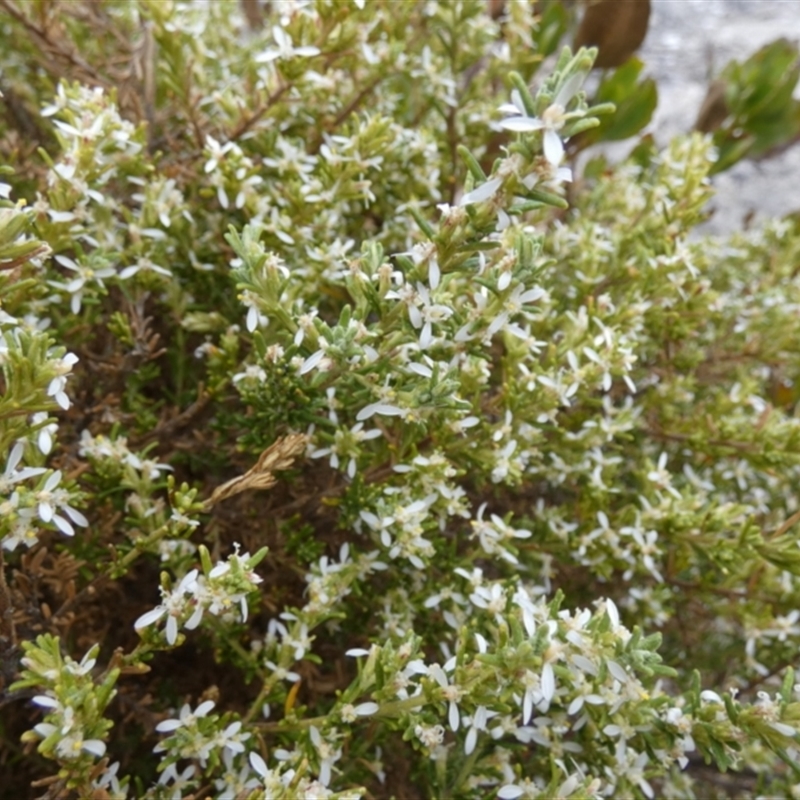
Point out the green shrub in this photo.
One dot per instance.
(351, 448)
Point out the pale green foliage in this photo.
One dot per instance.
(553, 551)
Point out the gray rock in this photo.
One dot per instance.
(687, 44)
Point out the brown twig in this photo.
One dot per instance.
(56, 47)
(246, 124)
(785, 526)
(183, 420)
(346, 112)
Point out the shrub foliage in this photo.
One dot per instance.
(354, 447)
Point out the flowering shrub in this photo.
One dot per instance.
(354, 447)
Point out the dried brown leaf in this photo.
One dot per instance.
(278, 456)
(616, 27)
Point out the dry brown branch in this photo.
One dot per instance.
(254, 14)
(8, 636)
(169, 428)
(250, 121)
(38, 252)
(55, 53)
(276, 457)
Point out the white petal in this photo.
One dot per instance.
(569, 89)
(45, 441)
(553, 147)
(783, 728)
(426, 337)
(531, 295)
(613, 613)
(563, 175)
(481, 193)
(325, 772)
(617, 671)
(168, 725)
(45, 701)
(548, 682)
(204, 708)
(516, 106)
(172, 629)
(252, 319)
(221, 568)
(421, 369)
(522, 124)
(195, 619)
(258, 764)
(267, 56)
(66, 262)
(95, 746)
(282, 39)
(584, 663)
(453, 717)
(63, 525)
(149, 618)
(15, 457)
(527, 707)
(45, 729)
(384, 409)
(471, 740)
(434, 274)
(76, 516)
(311, 362)
(510, 792)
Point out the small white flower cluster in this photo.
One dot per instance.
(25, 507)
(194, 735)
(496, 536)
(569, 685)
(34, 376)
(86, 120)
(117, 464)
(330, 581)
(101, 448)
(222, 593)
(228, 166)
(74, 729)
(65, 729)
(401, 524)
(284, 782)
(345, 445)
(85, 274)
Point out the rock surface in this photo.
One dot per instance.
(687, 44)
